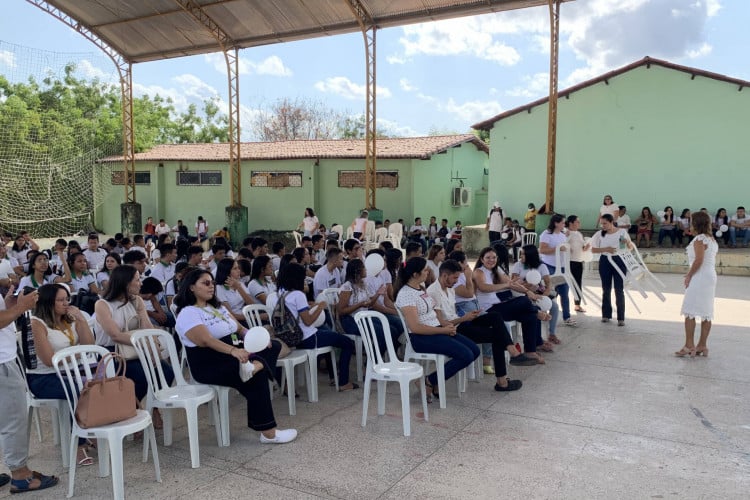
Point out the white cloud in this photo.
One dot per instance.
(532, 86)
(188, 89)
(701, 51)
(397, 59)
(271, 65)
(7, 58)
(89, 71)
(467, 112)
(713, 7)
(393, 128)
(406, 85)
(343, 87)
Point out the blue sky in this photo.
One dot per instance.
(441, 76)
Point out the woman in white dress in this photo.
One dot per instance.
(310, 223)
(700, 286)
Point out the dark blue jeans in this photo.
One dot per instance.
(608, 274)
(326, 338)
(672, 233)
(562, 292)
(460, 349)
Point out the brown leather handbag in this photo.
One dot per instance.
(105, 401)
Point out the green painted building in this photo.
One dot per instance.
(652, 133)
(444, 176)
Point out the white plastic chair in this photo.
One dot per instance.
(189, 397)
(252, 313)
(395, 233)
(297, 239)
(384, 372)
(438, 359)
(69, 363)
(636, 275)
(349, 233)
(312, 358)
(60, 416)
(338, 229)
(529, 238)
(332, 299)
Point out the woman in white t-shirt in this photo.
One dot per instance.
(40, 272)
(205, 328)
(56, 325)
(80, 277)
(549, 240)
(426, 332)
(609, 207)
(261, 279)
(291, 281)
(112, 260)
(528, 259)
(230, 291)
(608, 241)
(435, 257)
(577, 248)
(310, 223)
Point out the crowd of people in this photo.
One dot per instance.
(167, 279)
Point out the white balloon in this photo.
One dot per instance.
(544, 303)
(256, 339)
(724, 228)
(374, 264)
(660, 213)
(504, 236)
(719, 234)
(533, 277)
(322, 318)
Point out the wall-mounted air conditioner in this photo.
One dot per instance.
(461, 197)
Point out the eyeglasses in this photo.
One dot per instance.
(207, 283)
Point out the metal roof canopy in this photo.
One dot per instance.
(160, 29)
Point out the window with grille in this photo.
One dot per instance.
(141, 178)
(356, 179)
(198, 178)
(275, 179)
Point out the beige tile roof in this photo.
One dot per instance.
(407, 147)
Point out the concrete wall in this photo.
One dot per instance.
(651, 137)
(424, 189)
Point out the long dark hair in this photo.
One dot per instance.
(259, 264)
(185, 296)
(292, 277)
(570, 220)
(503, 257)
(393, 258)
(117, 286)
(354, 270)
(413, 266)
(32, 264)
(726, 216)
(531, 258)
(310, 211)
(115, 256)
(608, 218)
(671, 216)
(554, 220)
(479, 265)
(45, 306)
(223, 270)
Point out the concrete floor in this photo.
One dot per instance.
(613, 414)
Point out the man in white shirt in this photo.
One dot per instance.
(417, 233)
(162, 228)
(623, 219)
(164, 269)
(329, 276)
(494, 224)
(739, 225)
(95, 255)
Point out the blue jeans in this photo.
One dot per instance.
(555, 313)
(562, 292)
(466, 307)
(326, 338)
(460, 349)
(672, 233)
(734, 232)
(608, 274)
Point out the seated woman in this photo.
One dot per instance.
(173, 285)
(354, 297)
(685, 226)
(529, 259)
(120, 311)
(435, 257)
(721, 219)
(261, 279)
(230, 292)
(41, 274)
(668, 226)
(645, 223)
(489, 279)
(426, 332)
(291, 282)
(112, 260)
(205, 328)
(56, 325)
(381, 286)
(80, 277)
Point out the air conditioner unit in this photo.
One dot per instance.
(461, 197)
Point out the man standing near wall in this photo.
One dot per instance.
(495, 222)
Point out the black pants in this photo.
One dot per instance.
(489, 329)
(522, 310)
(495, 235)
(608, 274)
(216, 368)
(576, 269)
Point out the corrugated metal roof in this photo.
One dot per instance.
(160, 29)
(646, 61)
(408, 147)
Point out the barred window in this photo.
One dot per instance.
(275, 179)
(356, 179)
(198, 178)
(141, 178)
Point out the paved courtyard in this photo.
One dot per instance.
(613, 414)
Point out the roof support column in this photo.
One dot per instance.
(369, 29)
(130, 212)
(236, 213)
(554, 17)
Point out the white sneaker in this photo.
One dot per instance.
(281, 437)
(246, 371)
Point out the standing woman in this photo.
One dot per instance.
(205, 328)
(608, 207)
(56, 325)
(608, 241)
(310, 223)
(700, 285)
(549, 240)
(577, 247)
(426, 332)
